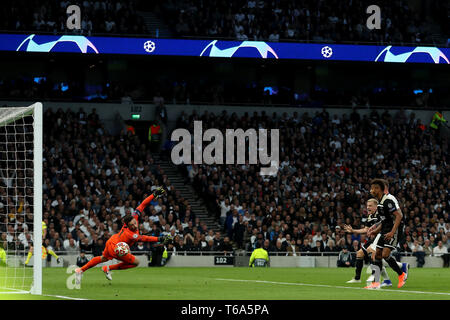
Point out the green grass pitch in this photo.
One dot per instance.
(238, 284)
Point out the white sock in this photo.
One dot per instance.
(369, 269)
(377, 273)
(384, 274)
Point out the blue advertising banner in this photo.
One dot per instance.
(223, 49)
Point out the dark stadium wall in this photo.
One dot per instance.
(229, 81)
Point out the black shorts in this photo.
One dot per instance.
(391, 244)
(369, 243)
(366, 245)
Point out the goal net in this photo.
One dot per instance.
(20, 199)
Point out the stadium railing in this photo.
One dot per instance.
(241, 253)
(240, 259)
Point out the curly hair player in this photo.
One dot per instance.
(128, 234)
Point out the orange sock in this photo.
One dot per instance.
(121, 266)
(92, 263)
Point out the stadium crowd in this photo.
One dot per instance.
(275, 20)
(334, 20)
(97, 17)
(326, 164)
(93, 178)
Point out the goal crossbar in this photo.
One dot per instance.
(11, 114)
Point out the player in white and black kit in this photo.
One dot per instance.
(391, 219)
(368, 249)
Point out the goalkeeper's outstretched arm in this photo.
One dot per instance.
(155, 195)
(164, 239)
(147, 238)
(144, 204)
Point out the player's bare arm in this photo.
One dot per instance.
(398, 219)
(350, 229)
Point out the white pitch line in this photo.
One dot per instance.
(337, 287)
(47, 295)
(63, 297)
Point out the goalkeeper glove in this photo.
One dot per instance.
(158, 192)
(165, 239)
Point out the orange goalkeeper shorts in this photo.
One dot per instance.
(109, 253)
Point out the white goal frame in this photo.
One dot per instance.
(37, 110)
(37, 194)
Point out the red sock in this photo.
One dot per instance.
(121, 266)
(92, 263)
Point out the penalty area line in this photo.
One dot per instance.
(63, 297)
(330, 286)
(45, 295)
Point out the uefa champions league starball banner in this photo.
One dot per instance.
(222, 49)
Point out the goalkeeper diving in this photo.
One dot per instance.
(128, 234)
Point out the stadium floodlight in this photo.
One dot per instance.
(21, 134)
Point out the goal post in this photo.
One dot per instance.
(21, 150)
(37, 188)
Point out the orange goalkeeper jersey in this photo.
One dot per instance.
(130, 237)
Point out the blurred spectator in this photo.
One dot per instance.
(161, 111)
(226, 246)
(86, 245)
(441, 251)
(268, 246)
(180, 246)
(305, 247)
(331, 246)
(139, 248)
(238, 230)
(427, 248)
(98, 247)
(210, 246)
(355, 246)
(404, 248)
(82, 259)
(293, 249)
(71, 247)
(58, 247)
(345, 259)
(319, 247)
(195, 246)
(419, 253)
